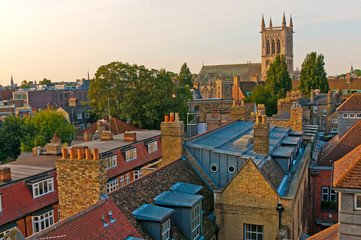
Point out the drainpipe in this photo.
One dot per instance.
(279, 209)
(314, 173)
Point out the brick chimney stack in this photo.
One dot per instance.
(172, 131)
(5, 174)
(73, 102)
(296, 119)
(81, 180)
(312, 96)
(261, 134)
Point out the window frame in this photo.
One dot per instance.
(257, 232)
(131, 154)
(358, 115)
(48, 181)
(334, 120)
(127, 179)
(324, 112)
(344, 115)
(355, 200)
(112, 185)
(46, 219)
(77, 116)
(121, 181)
(196, 221)
(112, 161)
(352, 115)
(326, 194)
(165, 233)
(152, 147)
(137, 174)
(333, 194)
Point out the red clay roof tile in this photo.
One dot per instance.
(353, 103)
(330, 233)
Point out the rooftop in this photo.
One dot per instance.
(117, 127)
(186, 188)
(152, 213)
(330, 233)
(353, 103)
(178, 199)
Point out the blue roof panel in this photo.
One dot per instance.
(177, 199)
(152, 213)
(186, 188)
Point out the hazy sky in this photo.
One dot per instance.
(63, 39)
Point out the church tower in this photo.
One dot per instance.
(275, 41)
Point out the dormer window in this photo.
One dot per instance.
(166, 230)
(112, 185)
(152, 147)
(42, 221)
(112, 161)
(196, 221)
(131, 154)
(42, 186)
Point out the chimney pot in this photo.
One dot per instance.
(65, 153)
(5, 174)
(72, 153)
(88, 154)
(171, 118)
(166, 118)
(96, 154)
(177, 117)
(80, 153)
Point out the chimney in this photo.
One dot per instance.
(73, 102)
(312, 96)
(172, 139)
(5, 174)
(106, 136)
(261, 134)
(100, 127)
(81, 180)
(329, 97)
(296, 119)
(130, 136)
(88, 136)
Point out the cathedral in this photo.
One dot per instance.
(235, 81)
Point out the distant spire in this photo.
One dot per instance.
(88, 75)
(291, 23)
(12, 82)
(284, 21)
(262, 23)
(270, 22)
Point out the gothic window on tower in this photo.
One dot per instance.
(267, 48)
(273, 46)
(278, 46)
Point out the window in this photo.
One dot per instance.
(315, 109)
(152, 147)
(253, 232)
(278, 46)
(43, 187)
(78, 116)
(196, 221)
(345, 115)
(88, 124)
(112, 161)
(86, 115)
(358, 201)
(214, 168)
(352, 115)
(324, 112)
(82, 126)
(2, 234)
(131, 154)
(43, 221)
(267, 47)
(127, 178)
(121, 181)
(166, 230)
(112, 186)
(358, 115)
(334, 120)
(231, 169)
(273, 47)
(334, 130)
(137, 174)
(325, 193)
(333, 195)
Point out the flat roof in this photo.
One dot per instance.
(118, 141)
(177, 199)
(186, 188)
(282, 152)
(152, 213)
(291, 140)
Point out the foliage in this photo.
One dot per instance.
(357, 72)
(10, 136)
(329, 206)
(47, 82)
(278, 78)
(39, 129)
(277, 84)
(185, 76)
(313, 74)
(136, 94)
(25, 84)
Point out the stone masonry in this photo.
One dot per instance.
(81, 180)
(261, 135)
(172, 133)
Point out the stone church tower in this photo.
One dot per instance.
(277, 40)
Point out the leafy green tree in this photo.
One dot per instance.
(136, 94)
(25, 84)
(261, 95)
(278, 80)
(39, 129)
(10, 136)
(357, 72)
(185, 76)
(313, 74)
(47, 82)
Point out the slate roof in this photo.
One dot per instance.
(337, 148)
(87, 224)
(272, 172)
(145, 189)
(353, 103)
(246, 87)
(117, 127)
(330, 233)
(347, 170)
(74, 110)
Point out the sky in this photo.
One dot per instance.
(63, 40)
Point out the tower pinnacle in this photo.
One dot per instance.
(262, 23)
(291, 23)
(270, 22)
(284, 21)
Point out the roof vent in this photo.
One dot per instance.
(110, 216)
(105, 224)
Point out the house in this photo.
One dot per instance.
(76, 114)
(253, 168)
(349, 112)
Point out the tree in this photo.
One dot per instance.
(39, 129)
(278, 80)
(313, 74)
(25, 84)
(47, 82)
(185, 76)
(136, 94)
(261, 95)
(10, 136)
